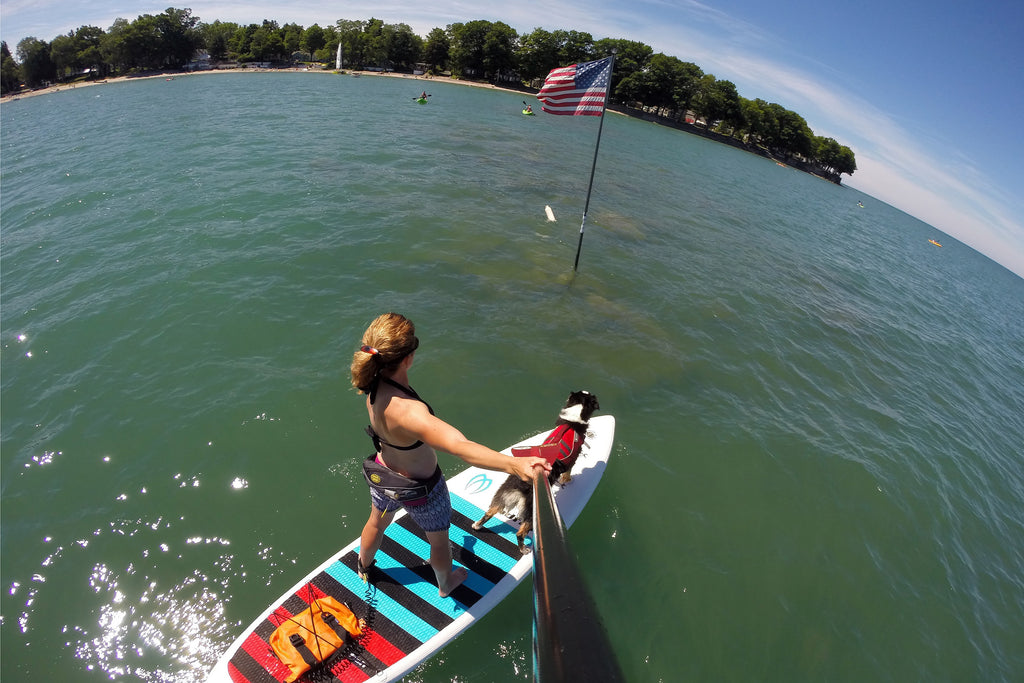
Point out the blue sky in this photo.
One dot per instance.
(929, 95)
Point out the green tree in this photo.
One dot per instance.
(313, 40)
(467, 47)
(786, 132)
(826, 152)
(833, 157)
(754, 117)
(113, 46)
(716, 101)
(37, 67)
(541, 51)
(631, 57)
(404, 47)
(10, 72)
(64, 55)
(90, 48)
(136, 44)
(687, 84)
(661, 84)
(575, 47)
(217, 37)
(500, 52)
(292, 38)
(537, 53)
(350, 34)
(266, 42)
(240, 41)
(846, 162)
(178, 37)
(330, 49)
(375, 44)
(436, 48)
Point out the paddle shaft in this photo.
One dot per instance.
(569, 641)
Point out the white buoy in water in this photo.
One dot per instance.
(550, 213)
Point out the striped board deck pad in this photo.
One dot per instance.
(406, 621)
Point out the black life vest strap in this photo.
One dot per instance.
(335, 625)
(408, 391)
(300, 646)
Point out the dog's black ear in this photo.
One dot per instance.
(577, 398)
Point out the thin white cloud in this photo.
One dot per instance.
(894, 164)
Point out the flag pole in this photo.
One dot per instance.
(593, 166)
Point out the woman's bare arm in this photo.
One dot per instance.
(415, 420)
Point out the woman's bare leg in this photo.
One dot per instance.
(448, 576)
(373, 535)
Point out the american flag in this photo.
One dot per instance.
(577, 90)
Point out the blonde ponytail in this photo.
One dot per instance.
(385, 344)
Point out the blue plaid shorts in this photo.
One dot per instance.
(433, 515)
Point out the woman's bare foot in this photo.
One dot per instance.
(455, 579)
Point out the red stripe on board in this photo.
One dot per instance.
(381, 648)
(348, 672)
(374, 643)
(309, 592)
(236, 675)
(262, 653)
(279, 616)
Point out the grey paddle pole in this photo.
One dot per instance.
(569, 641)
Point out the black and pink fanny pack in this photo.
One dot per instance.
(398, 487)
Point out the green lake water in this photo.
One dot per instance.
(817, 472)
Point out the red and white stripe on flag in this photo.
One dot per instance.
(577, 90)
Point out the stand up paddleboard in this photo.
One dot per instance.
(406, 622)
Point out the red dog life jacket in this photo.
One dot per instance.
(560, 444)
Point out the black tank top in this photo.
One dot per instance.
(377, 441)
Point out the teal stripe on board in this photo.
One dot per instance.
(384, 604)
(479, 544)
(421, 548)
(410, 580)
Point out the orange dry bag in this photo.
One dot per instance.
(313, 635)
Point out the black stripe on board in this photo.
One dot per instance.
(463, 593)
(399, 593)
(249, 668)
(481, 566)
(497, 541)
(465, 556)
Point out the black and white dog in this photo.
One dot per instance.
(514, 498)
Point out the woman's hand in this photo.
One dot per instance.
(524, 468)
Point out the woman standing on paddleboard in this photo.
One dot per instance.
(404, 471)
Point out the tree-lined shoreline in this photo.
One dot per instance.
(650, 85)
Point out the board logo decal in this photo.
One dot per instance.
(480, 482)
